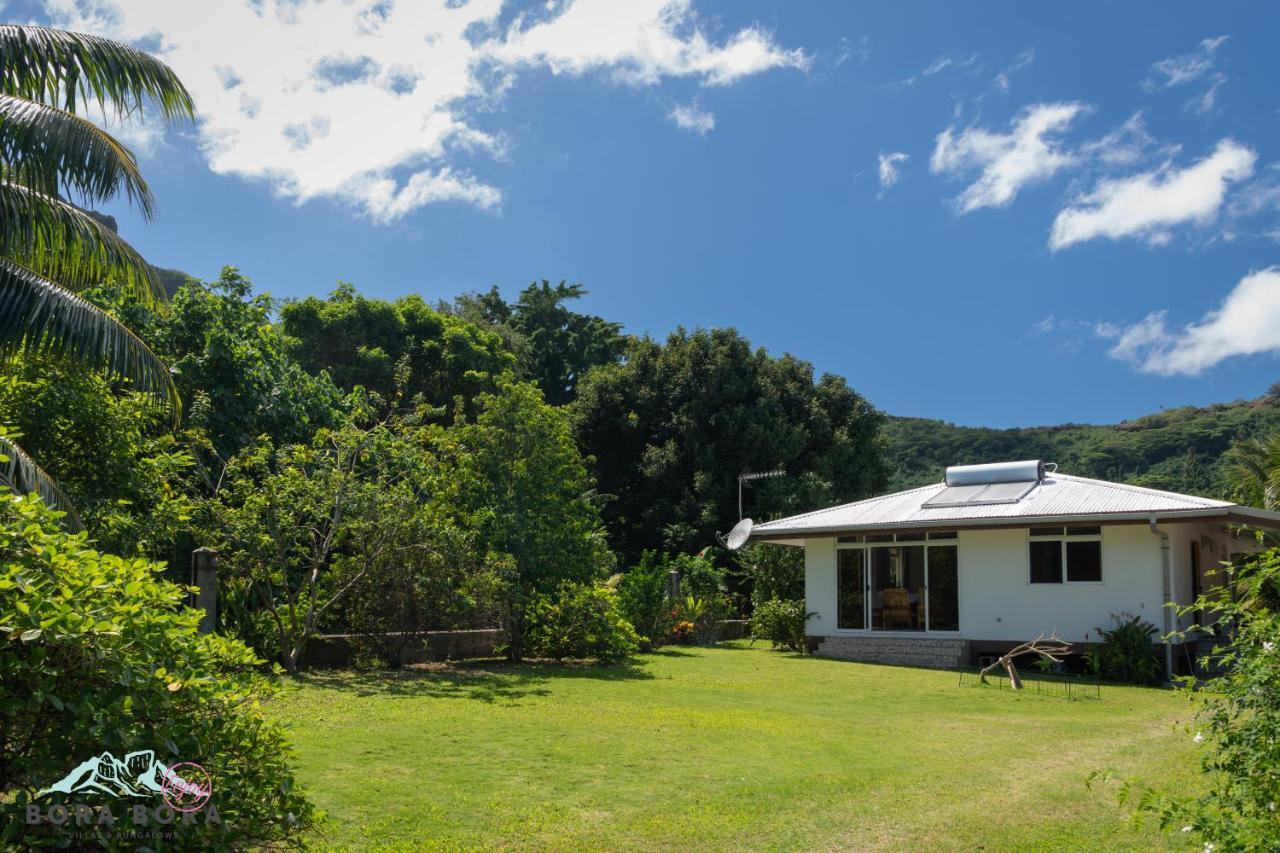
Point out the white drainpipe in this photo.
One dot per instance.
(1168, 595)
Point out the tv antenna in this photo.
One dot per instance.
(748, 477)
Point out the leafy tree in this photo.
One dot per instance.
(581, 621)
(300, 525)
(232, 365)
(671, 428)
(101, 655)
(50, 249)
(111, 452)
(402, 347)
(773, 572)
(554, 346)
(520, 485)
(1254, 471)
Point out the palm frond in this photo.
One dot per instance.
(51, 149)
(38, 315)
(23, 476)
(65, 69)
(63, 243)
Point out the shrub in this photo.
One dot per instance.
(697, 620)
(1238, 723)
(581, 621)
(1126, 653)
(642, 593)
(781, 622)
(101, 656)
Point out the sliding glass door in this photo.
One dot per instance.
(902, 584)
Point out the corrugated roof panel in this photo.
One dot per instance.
(1056, 495)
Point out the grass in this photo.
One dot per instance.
(727, 747)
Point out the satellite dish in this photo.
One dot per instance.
(738, 535)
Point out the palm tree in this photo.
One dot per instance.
(1254, 471)
(50, 248)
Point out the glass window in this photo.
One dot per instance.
(944, 588)
(1046, 531)
(897, 588)
(851, 611)
(880, 537)
(946, 534)
(1095, 530)
(1084, 561)
(1046, 561)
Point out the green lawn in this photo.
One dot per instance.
(727, 747)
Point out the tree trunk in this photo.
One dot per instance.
(1015, 683)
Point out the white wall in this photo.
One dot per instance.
(997, 599)
(820, 586)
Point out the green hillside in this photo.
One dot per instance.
(1178, 449)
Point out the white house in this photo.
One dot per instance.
(996, 554)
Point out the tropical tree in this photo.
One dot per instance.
(1254, 471)
(53, 164)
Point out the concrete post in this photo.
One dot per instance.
(204, 576)
(673, 587)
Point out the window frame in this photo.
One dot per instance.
(866, 542)
(1063, 538)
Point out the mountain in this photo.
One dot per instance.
(139, 775)
(1181, 450)
(169, 279)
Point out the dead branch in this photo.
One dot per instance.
(1052, 648)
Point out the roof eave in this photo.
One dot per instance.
(1254, 517)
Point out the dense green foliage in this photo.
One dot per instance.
(580, 621)
(392, 348)
(523, 490)
(1238, 722)
(1181, 450)
(671, 428)
(112, 452)
(1125, 652)
(101, 655)
(554, 345)
(643, 593)
(781, 622)
(231, 365)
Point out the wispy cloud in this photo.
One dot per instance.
(692, 118)
(952, 60)
(889, 170)
(1198, 66)
(378, 105)
(1246, 323)
(1023, 60)
(1029, 153)
(1148, 206)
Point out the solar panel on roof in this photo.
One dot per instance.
(956, 495)
(998, 493)
(978, 495)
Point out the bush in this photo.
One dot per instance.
(1126, 653)
(642, 594)
(581, 621)
(780, 622)
(1238, 723)
(697, 620)
(101, 656)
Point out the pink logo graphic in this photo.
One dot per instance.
(187, 787)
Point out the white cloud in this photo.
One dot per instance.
(693, 118)
(1200, 65)
(1005, 162)
(1126, 145)
(1247, 323)
(1021, 61)
(889, 174)
(372, 103)
(952, 60)
(1148, 205)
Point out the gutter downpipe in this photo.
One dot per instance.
(1167, 583)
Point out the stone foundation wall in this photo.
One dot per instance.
(929, 652)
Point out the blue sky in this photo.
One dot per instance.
(999, 214)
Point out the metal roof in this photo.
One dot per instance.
(1057, 497)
